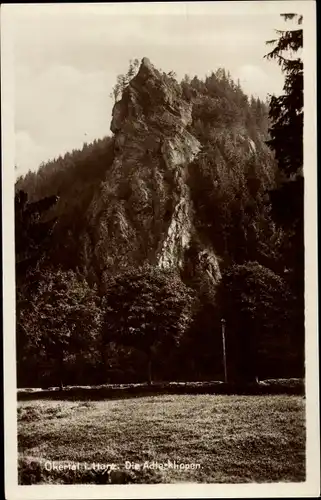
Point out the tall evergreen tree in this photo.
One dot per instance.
(32, 240)
(286, 111)
(286, 132)
(32, 232)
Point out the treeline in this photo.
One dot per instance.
(74, 179)
(146, 324)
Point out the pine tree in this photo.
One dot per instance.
(286, 131)
(124, 79)
(286, 111)
(32, 232)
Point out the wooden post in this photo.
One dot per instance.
(224, 349)
(150, 380)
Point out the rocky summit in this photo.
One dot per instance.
(180, 183)
(143, 211)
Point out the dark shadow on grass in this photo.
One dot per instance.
(268, 387)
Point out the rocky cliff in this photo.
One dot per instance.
(142, 211)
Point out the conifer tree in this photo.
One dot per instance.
(32, 231)
(286, 132)
(286, 111)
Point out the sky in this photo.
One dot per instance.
(67, 58)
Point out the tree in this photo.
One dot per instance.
(258, 299)
(286, 111)
(32, 241)
(286, 114)
(124, 79)
(75, 178)
(286, 131)
(32, 232)
(148, 309)
(61, 318)
(172, 74)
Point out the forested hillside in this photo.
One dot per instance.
(234, 170)
(152, 235)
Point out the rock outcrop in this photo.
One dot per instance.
(143, 210)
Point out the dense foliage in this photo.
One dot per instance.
(77, 323)
(74, 178)
(286, 111)
(233, 172)
(260, 327)
(286, 131)
(32, 233)
(59, 326)
(148, 309)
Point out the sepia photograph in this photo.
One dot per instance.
(159, 249)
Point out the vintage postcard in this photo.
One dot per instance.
(159, 206)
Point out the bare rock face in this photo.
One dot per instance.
(143, 211)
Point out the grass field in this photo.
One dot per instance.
(234, 439)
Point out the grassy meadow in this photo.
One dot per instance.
(234, 439)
